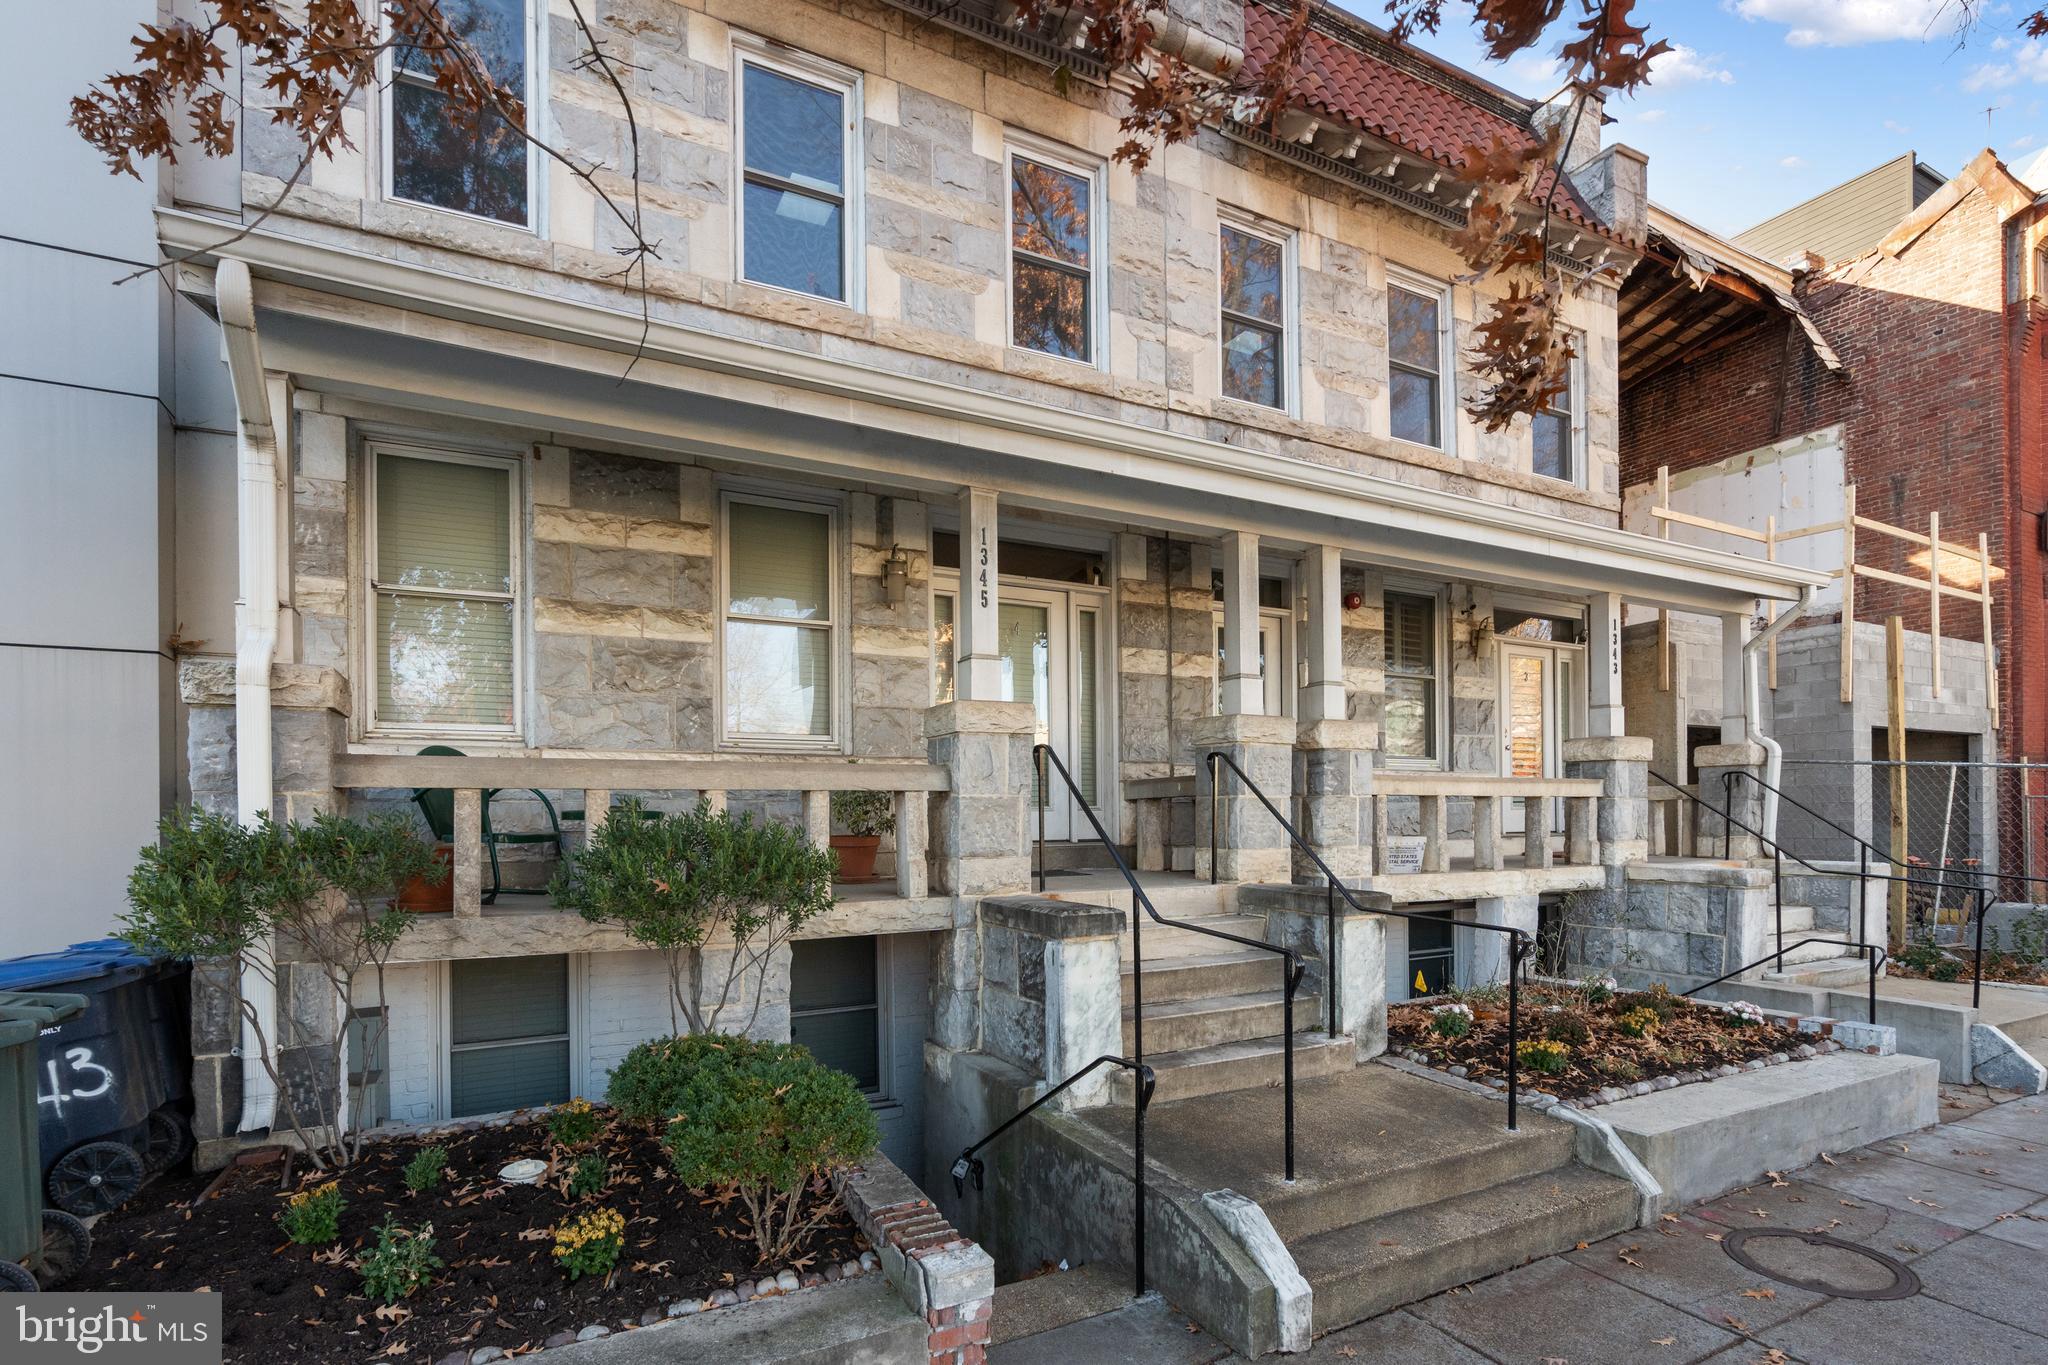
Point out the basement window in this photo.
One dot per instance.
(508, 1034)
(835, 1005)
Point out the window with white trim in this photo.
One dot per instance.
(1556, 433)
(1054, 235)
(797, 131)
(780, 621)
(1409, 714)
(443, 588)
(1253, 289)
(1419, 359)
(481, 167)
(508, 1034)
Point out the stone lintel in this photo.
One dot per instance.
(1609, 749)
(1043, 917)
(1337, 734)
(1746, 754)
(293, 687)
(979, 717)
(1214, 732)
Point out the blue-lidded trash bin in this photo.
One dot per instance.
(111, 1083)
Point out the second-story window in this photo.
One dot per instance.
(1418, 359)
(483, 170)
(1554, 432)
(1052, 258)
(1253, 286)
(796, 137)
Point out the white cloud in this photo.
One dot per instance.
(1792, 163)
(1845, 23)
(2021, 144)
(2029, 63)
(1892, 125)
(1651, 116)
(1683, 65)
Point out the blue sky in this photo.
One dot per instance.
(1770, 101)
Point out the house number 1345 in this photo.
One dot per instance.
(981, 573)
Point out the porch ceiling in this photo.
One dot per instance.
(389, 332)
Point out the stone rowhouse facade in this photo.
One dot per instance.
(391, 322)
(1940, 400)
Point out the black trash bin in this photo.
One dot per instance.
(111, 1083)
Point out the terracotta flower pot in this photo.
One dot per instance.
(423, 897)
(856, 853)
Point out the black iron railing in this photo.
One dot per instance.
(967, 1166)
(1047, 761)
(1520, 944)
(1873, 953)
(1863, 875)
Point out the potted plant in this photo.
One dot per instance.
(866, 817)
(432, 892)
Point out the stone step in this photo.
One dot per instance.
(1164, 942)
(1185, 1025)
(1176, 897)
(1082, 855)
(1843, 972)
(1046, 1302)
(1368, 1267)
(2027, 1032)
(1410, 1174)
(1238, 972)
(1798, 921)
(1806, 946)
(1245, 1065)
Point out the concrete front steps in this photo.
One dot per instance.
(1404, 1187)
(1822, 957)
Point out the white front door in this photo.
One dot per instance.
(1050, 642)
(1531, 702)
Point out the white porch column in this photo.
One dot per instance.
(1243, 692)
(1604, 716)
(978, 673)
(1736, 627)
(1324, 697)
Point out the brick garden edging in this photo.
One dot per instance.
(943, 1275)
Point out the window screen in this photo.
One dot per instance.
(508, 1034)
(1254, 342)
(434, 160)
(778, 628)
(442, 581)
(1415, 365)
(1408, 725)
(793, 208)
(835, 1005)
(1050, 244)
(1552, 448)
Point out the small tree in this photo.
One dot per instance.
(689, 884)
(213, 889)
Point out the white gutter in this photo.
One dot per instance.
(255, 637)
(1753, 706)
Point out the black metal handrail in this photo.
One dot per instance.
(1863, 875)
(967, 1166)
(1520, 944)
(1875, 954)
(1042, 754)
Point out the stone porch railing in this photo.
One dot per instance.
(1489, 798)
(812, 779)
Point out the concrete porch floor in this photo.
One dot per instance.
(1965, 1204)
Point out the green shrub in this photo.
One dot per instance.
(1946, 969)
(312, 1217)
(402, 1261)
(1450, 1021)
(575, 1124)
(589, 1244)
(680, 882)
(587, 1176)
(1568, 1029)
(423, 1172)
(1598, 989)
(865, 815)
(1658, 1000)
(647, 1087)
(769, 1123)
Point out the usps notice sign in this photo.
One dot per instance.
(110, 1329)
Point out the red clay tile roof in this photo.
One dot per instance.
(1360, 90)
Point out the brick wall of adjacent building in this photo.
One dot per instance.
(1941, 403)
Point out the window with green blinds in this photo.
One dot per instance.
(443, 590)
(779, 620)
(508, 1034)
(1409, 720)
(835, 1005)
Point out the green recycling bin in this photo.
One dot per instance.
(38, 1247)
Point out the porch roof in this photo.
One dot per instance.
(428, 339)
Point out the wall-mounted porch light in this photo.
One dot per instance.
(895, 576)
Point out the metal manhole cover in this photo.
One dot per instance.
(1822, 1264)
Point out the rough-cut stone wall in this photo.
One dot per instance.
(938, 106)
(891, 642)
(1165, 659)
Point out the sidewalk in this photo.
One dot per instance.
(1964, 1205)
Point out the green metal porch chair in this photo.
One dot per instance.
(437, 804)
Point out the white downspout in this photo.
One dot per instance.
(256, 523)
(1753, 706)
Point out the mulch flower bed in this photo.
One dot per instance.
(1601, 1044)
(1921, 963)
(502, 1285)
